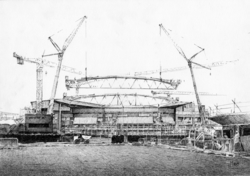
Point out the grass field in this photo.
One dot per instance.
(115, 160)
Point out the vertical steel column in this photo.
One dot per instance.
(39, 87)
(59, 118)
(175, 118)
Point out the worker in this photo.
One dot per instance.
(227, 143)
(236, 139)
(125, 136)
(80, 138)
(217, 145)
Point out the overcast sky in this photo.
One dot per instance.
(122, 37)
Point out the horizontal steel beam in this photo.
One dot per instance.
(169, 81)
(112, 94)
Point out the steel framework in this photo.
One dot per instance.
(123, 99)
(6, 114)
(40, 63)
(121, 82)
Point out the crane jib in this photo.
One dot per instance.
(60, 58)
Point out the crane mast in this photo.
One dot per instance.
(60, 58)
(39, 87)
(201, 112)
(39, 78)
(190, 62)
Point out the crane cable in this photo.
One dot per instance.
(62, 29)
(86, 56)
(207, 59)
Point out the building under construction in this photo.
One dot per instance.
(172, 119)
(133, 114)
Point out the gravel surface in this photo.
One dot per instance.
(116, 160)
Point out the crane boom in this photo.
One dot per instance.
(200, 107)
(213, 64)
(48, 64)
(72, 35)
(181, 52)
(54, 44)
(184, 93)
(199, 65)
(60, 58)
(196, 93)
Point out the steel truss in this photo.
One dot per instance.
(123, 99)
(121, 82)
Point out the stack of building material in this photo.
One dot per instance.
(8, 142)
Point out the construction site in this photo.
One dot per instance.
(125, 131)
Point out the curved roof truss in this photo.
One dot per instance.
(124, 100)
(122, 82)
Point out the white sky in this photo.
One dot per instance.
(122, 37)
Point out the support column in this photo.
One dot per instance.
(175, 119)
(59, 118)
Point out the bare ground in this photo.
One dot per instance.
(116, 160)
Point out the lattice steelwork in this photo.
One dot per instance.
(122, 82)
(40, 63)
(123, 99)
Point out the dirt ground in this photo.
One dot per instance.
(115, 160)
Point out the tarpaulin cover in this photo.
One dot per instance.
(232, 119)
(135, 120)
(9, 122)
(168, 119)
(85, 120)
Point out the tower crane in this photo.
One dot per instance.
(60, 58)
(190, 64)
(184, 93)
(40, 63)
(213, 64)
